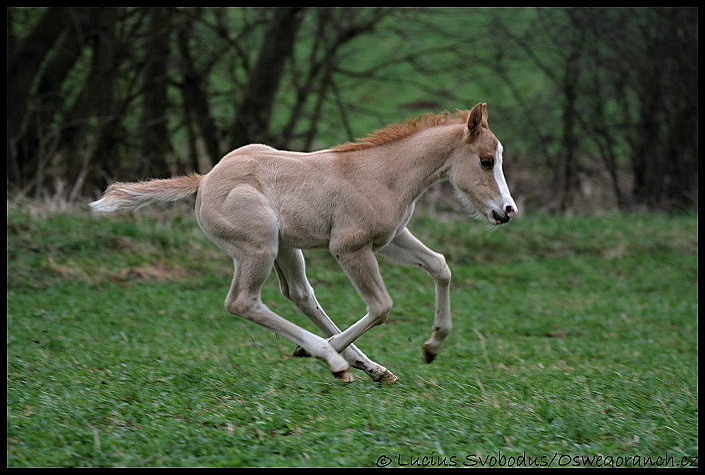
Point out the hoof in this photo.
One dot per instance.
(344, 376)
(387, 377)
(301, 353)
(427, 355)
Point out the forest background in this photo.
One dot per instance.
(596, 107)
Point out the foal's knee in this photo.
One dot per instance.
(299, 296)
(236, 307)
(440, 270)
(380, 311)
(242, 306)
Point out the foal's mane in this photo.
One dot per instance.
(403, 129)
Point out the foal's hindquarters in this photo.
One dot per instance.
(235, 213)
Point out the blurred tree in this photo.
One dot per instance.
(254, 112)
(156, 139)
(662, 63)
(89, 87)
(37, 66)
(192, 83)
(97, 94)
(625, 81)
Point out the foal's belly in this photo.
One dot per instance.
(313, 231)
(311, 228)
(294, 237)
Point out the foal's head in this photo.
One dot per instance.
(476, 171)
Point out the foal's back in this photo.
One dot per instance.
(257, 185)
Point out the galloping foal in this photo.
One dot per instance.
(263, 206)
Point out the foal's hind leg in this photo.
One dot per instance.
(244, 299)
(295, 286)
(250, 235)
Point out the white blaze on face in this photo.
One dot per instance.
(507, 203)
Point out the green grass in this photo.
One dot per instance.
(572, 337)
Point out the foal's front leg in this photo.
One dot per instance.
(362, 269)
(407, 249)
(291, 270)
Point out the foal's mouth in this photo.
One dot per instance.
(500, 218)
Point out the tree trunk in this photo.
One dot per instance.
(196, 102)
(255, 110)
(156, 143)
(567, 179)
(29, 114)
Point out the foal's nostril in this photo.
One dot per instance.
(509, 209)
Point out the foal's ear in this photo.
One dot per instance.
(477, 119)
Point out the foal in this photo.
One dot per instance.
(263, 206)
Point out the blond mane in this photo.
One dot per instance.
(403, 129)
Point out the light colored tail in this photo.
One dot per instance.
(129, 196)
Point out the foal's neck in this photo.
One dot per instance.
(421, 159)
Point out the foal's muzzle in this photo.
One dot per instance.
(503, 216)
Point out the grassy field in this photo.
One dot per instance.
(574, 344)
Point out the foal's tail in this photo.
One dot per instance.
(129, 196)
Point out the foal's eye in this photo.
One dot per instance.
(486, 163)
